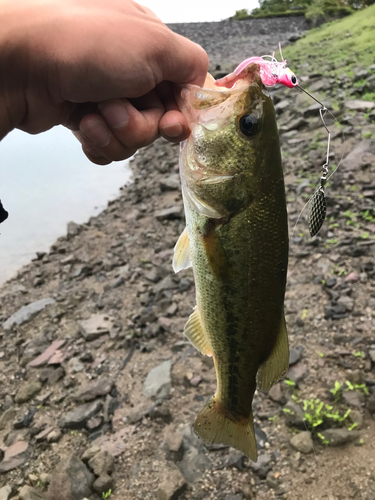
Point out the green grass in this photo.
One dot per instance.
(347, 44)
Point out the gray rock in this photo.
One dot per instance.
(172, 485)
(77, 418)
(302, 442)
(361, 156)
(294, 356)
(27, 391)
(5, 492)
(347, 302)
(95, 389)
(72, 229)
(339, 437)
(294, 415)
(75, 365)
(170, 183)
(234, 497)
(95, 327)
(312, 110)
(71, 481)
(371, 404)
(158, 382)
(26, 313)
(103, 484)
(276, 394)
(359, 105)
(296, 124)
(353, 398)
(7, 417)
(102, 463)
(174, 443)
(262, 466)
(297, 373)
(372, 355)
(15, 455)
(169, 213)
(29, 493)
(194, 461)
(282, 106)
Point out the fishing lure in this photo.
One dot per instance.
(273, 72)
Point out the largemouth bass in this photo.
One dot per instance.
(236, 240)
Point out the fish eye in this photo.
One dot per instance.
(294, 79)
(249, 125)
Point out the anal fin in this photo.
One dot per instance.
(194, 332)
(181, 257)
(277, 364)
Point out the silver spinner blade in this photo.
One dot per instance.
(317, 212)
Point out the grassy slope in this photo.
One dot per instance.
(338, 47)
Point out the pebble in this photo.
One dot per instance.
(71, 480)
(103, 484)
(27, 391)
(262, 466)
(102, 463)
(15, 455)
(339, 437)
(5, 492)
(29, 493)
(7, 417)
(302, 442)
(43, 358)
(26, 313)
(169, 213)
(276, 394)
(95, 327)
(172, 485)
(294, 415)
(158, 382)
(77, 418)
(97, 388)
(294, 356)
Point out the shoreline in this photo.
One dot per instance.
(97, 380)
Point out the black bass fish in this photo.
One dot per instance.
(236, 240)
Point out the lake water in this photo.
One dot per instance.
(45, 182)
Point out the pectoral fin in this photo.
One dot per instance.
(181, 257)
(194, 332)
(277, 363)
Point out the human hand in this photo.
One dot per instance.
(108, 70)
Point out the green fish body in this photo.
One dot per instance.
(236, 240)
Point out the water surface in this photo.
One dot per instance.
(45, 182)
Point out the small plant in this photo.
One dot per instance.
(359, 354)
(356, 387)
(291, 383)
(106, 495)
(336, 391)
(73, 433)
(317, 413)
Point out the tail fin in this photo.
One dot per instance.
(215, 425)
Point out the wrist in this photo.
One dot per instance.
(12, 101)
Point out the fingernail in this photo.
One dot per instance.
(90, 150)
(96, 132)
(115, 113)
(173, 130)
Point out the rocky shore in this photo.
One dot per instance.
(99, 388)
